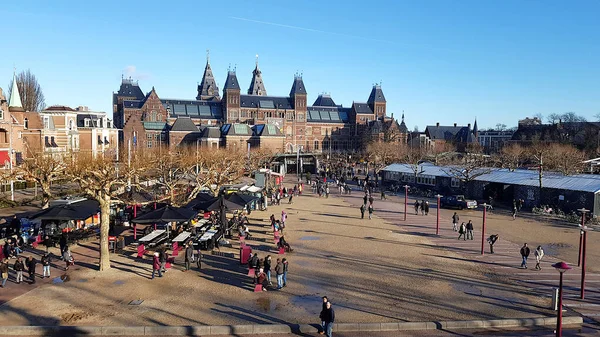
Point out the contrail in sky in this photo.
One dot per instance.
(310, 30)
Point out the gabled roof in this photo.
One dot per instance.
(208, 86)
(267, 130)
(232, 81)
(210, 132)
(129, 88)
(327, 114)
(324, 100)
(257, 87)
(265, 102)
(184, 124)
(376, 95)
(298, 87)
(15, 102)
(402, 127)
(361, 108)
(461, 134)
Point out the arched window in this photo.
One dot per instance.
(153, 116)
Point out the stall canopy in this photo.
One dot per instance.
(223, 204)
(201, 201)
(241, 199)
(166, 214)
(75, 211)
(137, 197)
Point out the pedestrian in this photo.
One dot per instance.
(163, 259)
(45, 265)
(328, 316)
(491, 240)
(383, 197)
(285, 270)
(189, 256)
(365, 199)
(48, 242)
(371, 199)
(325, 300)
(4, 272)
(455, 219)
(426, 208)
(267, 269)
(417, 207)
(279, 274)
(362, 211)
(198, 258)
(261, 279)
(19, 267)
(62, 243)
(31, 262)
(370, 211)
(539, 254)
(422, 207)
(470, 229)
(327, 191)
(290, 198)
(156, 265)
(283, 218)
(524, 254)
(514, 212)
(462, 231)
(68, 258)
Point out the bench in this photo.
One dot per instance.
(141, 250)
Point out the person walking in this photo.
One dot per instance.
(63, 243)
(327, 191)
(462, 231)
(279, 274)
(189, 255)
(524, 254)
(68, 258)
(362, 211)
(383, 197)
(491, 240)
(4, 272)
(370, 211)
(324, 303)
(365, 198)
(156, 265)
(455, 219)
(417, 207)
(422, 207)
(45, 265)
(267, 269)
(514, 212)
(19, 267)
(426, 208)
(328, 316)
(285, 271)
(539, 254)
(470, 229)
(162, 258)
(31, 262)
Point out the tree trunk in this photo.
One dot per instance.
(46, 194)
(104, 227)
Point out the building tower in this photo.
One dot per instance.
(231, 98)
(475, 130)
(377, 102)
(257, 87)
(298, 96)
(207, 89)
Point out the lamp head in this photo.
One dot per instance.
(561, 267)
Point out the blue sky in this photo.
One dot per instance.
(439, 61)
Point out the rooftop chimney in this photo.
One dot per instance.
(454, 124)
(469, 125)
(437, 124)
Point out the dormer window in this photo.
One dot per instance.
(46, 122)
(25, 123)
(86, 123)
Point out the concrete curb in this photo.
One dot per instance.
(255, 329)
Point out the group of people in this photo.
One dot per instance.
(538, 253)
(283, 192)
(263, 271)
(21, 266)
(422, 206)
(364, 208)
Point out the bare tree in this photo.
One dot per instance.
(259, 158)
(413, 157)
(102, 180)
(511, 156)
(473, 164)
(30, 91)
(500, 127)
(170, 169)
(213, 168)
(442, 153)
(43, 169)
(553, 118)
(597, 116)
(540, 154)
(539, 116)
(382, 154)
(566, 159)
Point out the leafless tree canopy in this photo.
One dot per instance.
(30, 90)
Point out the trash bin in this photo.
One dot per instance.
(554, 299)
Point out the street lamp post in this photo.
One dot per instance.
(437, 223)
(405, 201)
(485, 207)
(582, 250)
(561, 267)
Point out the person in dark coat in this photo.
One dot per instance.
(48, 242)
(455, 219)
(285, 271)
(31, 262)
(19, 267)
(279, 273)
(524, 255)
(45, 265)
(328, 316)
(267, 269)
(254, 261)
(325, 300)
(162, 257)
(189, 255)
(426, 207)
(4, 271)
(491, 240)
(63, 243)
(362, 211)
(417, 205)
(470, 229)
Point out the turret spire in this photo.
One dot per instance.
(15, 102)
(257, 87)
(208, 89)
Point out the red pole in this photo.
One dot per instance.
(559, 319)
(583, 266)
(437, 223)
(483, 228)
(134, 225)
(580, 246)
(405, 201)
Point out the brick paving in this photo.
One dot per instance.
(506, 261)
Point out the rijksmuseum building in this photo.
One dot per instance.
(235, 118)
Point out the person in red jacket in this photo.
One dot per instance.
(156, 265)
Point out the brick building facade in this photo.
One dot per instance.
(147, 120)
